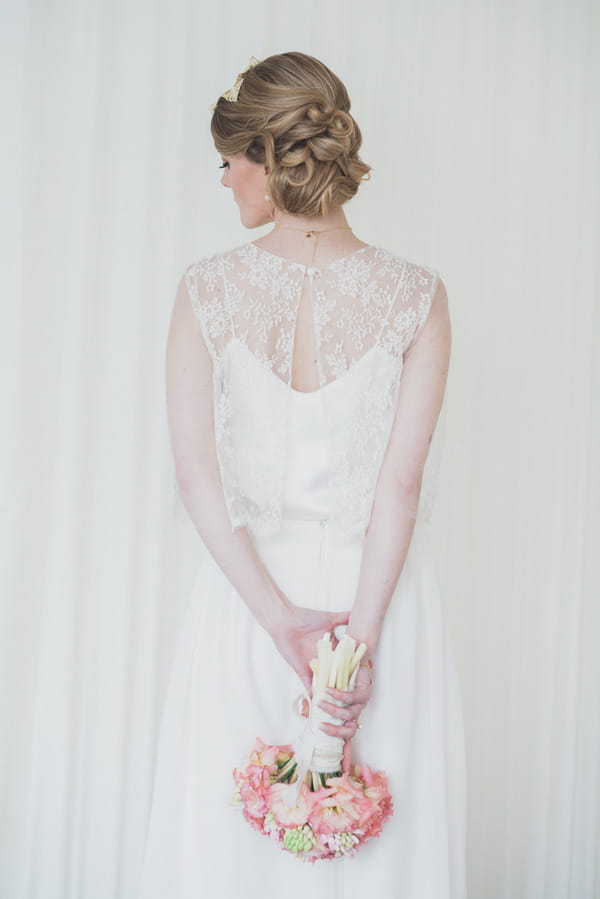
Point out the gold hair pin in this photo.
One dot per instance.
(233, 92)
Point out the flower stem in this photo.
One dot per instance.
(287, 771)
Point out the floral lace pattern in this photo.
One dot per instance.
(367, 308)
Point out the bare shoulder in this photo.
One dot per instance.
(439, 303)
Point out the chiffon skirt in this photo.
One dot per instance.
(229, 685)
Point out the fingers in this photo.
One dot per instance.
(342, 712)
(345, 731)
(360, 694)
(348, 714)
(363, 685)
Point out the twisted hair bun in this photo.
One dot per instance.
(293, 114)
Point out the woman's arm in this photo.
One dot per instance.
(189, 391)
(396, 500)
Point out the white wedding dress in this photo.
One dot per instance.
(229, 684)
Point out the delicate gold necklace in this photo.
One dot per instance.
(312, 233)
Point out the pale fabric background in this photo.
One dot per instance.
(481, 121)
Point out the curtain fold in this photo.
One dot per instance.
(481, 122)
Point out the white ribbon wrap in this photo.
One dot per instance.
(315, 750)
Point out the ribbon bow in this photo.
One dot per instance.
(232, 93)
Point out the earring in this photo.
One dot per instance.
(267, 197)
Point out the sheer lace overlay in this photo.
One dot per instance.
(367, 308)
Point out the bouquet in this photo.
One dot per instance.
(299, 797)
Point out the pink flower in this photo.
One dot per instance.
(262, 754)
(367, 774)
(254, 800)
(268, 756)
(258, 777)
(382, 806)
(253, 790)
(290, 817)
(337, 808)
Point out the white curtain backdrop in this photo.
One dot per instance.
(482, 123)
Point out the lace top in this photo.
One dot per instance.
(367, 308)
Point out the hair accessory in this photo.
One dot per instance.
(233, 92)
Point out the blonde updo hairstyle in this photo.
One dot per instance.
(293, 114)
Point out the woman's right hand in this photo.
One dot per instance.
(297, 633)
(349, 713)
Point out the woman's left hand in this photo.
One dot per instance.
(296, 634)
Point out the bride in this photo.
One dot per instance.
(305, 371)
